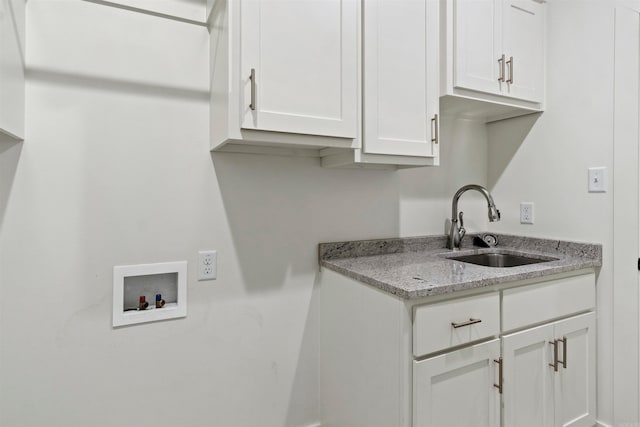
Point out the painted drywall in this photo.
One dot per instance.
(626, 161)
(115, 169)
(545, 159)
(425, 192)
(191, 10)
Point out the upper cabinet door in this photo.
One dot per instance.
(523, 44)
(304, 57)
(498, 49)
(401, 76)
(477, 45)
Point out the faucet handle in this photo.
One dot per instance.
(461, 230)
(494, 213)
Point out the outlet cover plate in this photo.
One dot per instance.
(207, 265)
(526, 213)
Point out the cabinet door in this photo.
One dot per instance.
(401, 77)
(457, 389)
(523, 45)
(575, 385)
(477, 45)
(305, 57)
(528, 378)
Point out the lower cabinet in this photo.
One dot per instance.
(575, 382)
(547, 379)
(489, 359)
(549, 374)
(528, 377)
(454, 389)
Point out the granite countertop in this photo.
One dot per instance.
(417, 267)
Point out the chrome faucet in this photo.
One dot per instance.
(456, 233)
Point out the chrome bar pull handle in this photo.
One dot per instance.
(252, 77)
(434, 129)
(510, 62)
(501, 62)
(564, 352)
(500, 382)
(467, 323)
(554, 365)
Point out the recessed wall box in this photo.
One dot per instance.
(132, 282)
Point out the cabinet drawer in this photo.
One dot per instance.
(533, 304)
(434, 326)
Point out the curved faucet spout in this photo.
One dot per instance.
(456, 233)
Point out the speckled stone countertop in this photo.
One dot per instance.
(418, 267)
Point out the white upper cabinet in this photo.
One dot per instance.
(354, 82)
(400, 78)
(12, 69)
(523, 46)
(400, 69)
(477, 45)
(304, 57)
(285, 73)
(494, 54)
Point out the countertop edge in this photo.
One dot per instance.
(484, 280)
(457, 287)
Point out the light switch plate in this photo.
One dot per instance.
(598, 180)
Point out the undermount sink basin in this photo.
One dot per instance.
(494, 259)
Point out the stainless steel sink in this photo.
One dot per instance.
(494, 259)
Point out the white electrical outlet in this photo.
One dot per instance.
(207, 265)
(598, 180)
(526, 213)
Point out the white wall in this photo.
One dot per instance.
(194, 11)
(426, 193)
(115, 169)
(547, 163)
(626, 324)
